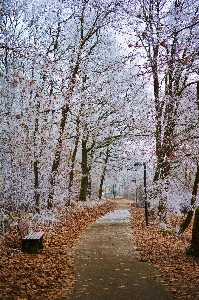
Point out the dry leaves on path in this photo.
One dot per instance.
(49, 274)
(168, 253)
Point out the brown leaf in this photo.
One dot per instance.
(144, 34)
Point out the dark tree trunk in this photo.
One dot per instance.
(35, 164)
(101, 183)
(89, 188)
(72, 166)
(103, 174)
(195, 235)
(71, 175)
(194, 248)
(84, 180)
(188, 219)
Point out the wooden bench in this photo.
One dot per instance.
(31, 242)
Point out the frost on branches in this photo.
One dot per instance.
(90, 87)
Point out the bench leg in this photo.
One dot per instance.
(40, 244)
(30, 246)
(24, 245)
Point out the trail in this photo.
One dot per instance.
(107, 265)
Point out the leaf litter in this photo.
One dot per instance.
(167, 251)
(50, 273)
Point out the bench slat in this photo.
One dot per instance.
(34, 236)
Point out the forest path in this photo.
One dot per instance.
(107, 266)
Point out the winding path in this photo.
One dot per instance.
(107, 266)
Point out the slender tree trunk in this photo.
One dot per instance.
(35, 164)
(56, 160)
(89, 184)
(164, 137)
(84, 180)
(36, 186)
(89, 187)
(103, 174)
(72, 166)
(158, 109)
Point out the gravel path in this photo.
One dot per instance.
(107, 265)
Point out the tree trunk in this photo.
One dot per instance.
(89, 187)
(101, 183)
(103, 174)
(35, 164)
(84, 180)
(56, 160)
(194, 249)
(188, 219)
(71, 175)
(72, 166)
(36, 186)
(89, 183)
(62, 125)
(195, 235)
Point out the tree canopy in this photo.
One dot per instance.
(88, 88)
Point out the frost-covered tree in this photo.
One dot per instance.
(165, 35)
(58, 61)
(167, 38)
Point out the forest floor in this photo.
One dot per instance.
(165, 250)
(50, 274)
